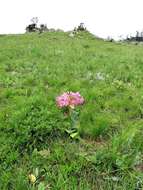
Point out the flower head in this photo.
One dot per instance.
(32, 178)
(69, 99)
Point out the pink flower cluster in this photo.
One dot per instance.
(69, 99)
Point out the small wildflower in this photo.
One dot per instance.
(69, 99)
(32, 178)
(114, 178)
(99, 76)
(71, 35)
(119, 84)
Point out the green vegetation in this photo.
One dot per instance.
(34, 70)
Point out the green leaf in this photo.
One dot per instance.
(36, 172)
(74, 135)
(41, 186)
(70, 131)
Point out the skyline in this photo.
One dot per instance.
(103, 18)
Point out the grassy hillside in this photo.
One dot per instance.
(34, 70)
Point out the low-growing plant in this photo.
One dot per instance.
(68, 102)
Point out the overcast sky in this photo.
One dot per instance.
(102, 17)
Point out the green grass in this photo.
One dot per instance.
(34, 69)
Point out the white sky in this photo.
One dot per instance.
(102, 17)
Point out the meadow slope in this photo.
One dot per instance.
(34, 70)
